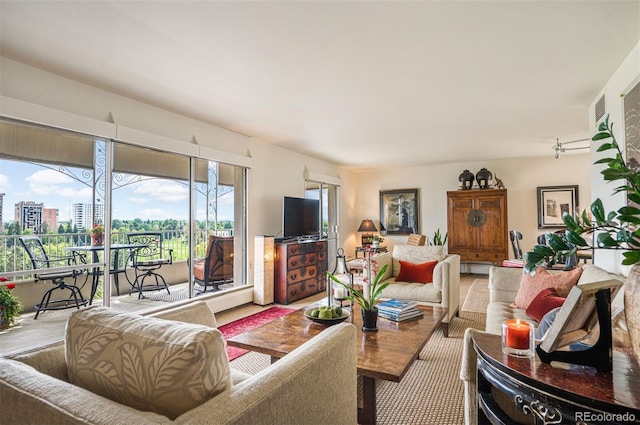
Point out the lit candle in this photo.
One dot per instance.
(517, 334)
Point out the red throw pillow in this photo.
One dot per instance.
(412, 272)
(544, 302)
(530, 286)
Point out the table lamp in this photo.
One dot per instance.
(367, 226)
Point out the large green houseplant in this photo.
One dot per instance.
(613, 230)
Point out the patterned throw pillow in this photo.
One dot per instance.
(149, 364)
(530, 286)
(421, 273)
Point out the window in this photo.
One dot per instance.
(64, 185)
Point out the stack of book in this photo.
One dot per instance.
(399, 310)
(512, 263)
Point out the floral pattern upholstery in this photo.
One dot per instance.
(146, 363)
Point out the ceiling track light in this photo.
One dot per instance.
(560, 147)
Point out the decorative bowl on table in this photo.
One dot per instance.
(326, 321)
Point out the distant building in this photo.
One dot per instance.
(50, 218)
(29, 215)
(82, 215)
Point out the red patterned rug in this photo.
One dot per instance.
(242, 325)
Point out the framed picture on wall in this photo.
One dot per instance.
(553, 203)
(399, 212)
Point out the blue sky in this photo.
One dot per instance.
(154, 199)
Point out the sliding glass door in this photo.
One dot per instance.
(66, 187)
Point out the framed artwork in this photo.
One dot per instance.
(399, 212)
(553, 202)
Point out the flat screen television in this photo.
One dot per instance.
(301, 217)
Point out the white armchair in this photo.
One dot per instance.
(444, 291)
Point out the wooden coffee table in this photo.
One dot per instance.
(386, 354)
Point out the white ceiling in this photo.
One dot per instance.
(361, 84)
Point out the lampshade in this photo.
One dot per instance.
(367, 226)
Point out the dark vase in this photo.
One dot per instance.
(370, 319)
(484, 177)
(466, 180)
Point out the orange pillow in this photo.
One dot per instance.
(412, 272)
(530, 286)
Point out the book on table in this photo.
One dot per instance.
(399, 317)
(395, 305)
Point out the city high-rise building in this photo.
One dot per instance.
(29, 215)
(82, 215)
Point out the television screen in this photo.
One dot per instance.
(301, 217)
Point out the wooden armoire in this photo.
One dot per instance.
(477, 225)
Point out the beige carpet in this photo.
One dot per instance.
(477, 298)
(430, 393)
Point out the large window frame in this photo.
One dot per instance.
(102, 178)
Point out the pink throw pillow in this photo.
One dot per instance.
(544, 302)
(412, 272)
(530, 286)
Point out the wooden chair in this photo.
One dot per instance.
(217, 267)
(416, 240)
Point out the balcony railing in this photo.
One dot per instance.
(13, 257)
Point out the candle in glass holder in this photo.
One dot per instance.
(338, 292)
(517, 337)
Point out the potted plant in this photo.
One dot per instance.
(367, 298)
(10, 307)
(614, 230)
(439, 238)
(376, 241)
(97, 234)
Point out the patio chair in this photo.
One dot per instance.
(41, 261)
(147, 259)
(217, 266)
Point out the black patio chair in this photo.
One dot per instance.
(147, 259)
(41, 261)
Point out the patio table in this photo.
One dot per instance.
(96, 272)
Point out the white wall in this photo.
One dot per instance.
(278, 172)
(520, 176)
(626, 77)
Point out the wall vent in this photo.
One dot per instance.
(600, 109)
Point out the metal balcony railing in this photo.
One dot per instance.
(13, 257)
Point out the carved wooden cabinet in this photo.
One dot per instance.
(300, 270)
(477, 225)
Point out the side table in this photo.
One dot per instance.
(515, 390)
(376, 250)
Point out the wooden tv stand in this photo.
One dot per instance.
(300, 270)
(536, 392)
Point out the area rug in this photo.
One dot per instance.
(253, 321)
(477, 298)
